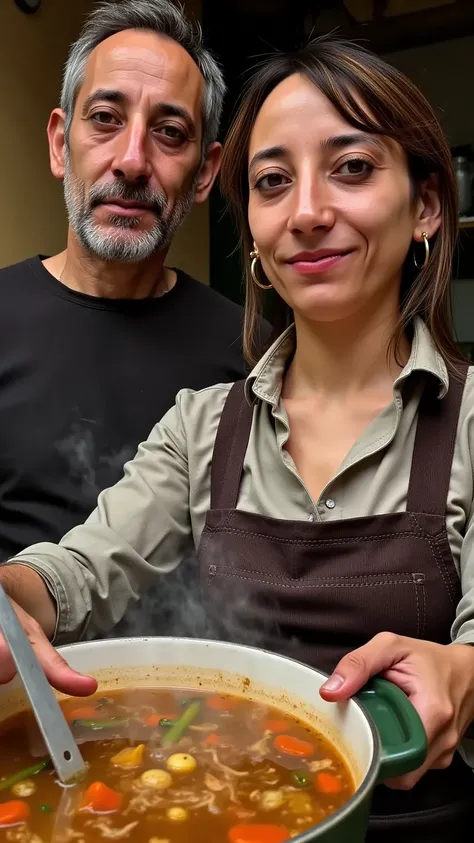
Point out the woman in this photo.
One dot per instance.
(337, 513)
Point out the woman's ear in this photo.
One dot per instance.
(428, 208)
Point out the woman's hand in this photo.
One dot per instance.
(59, 674)
(33, 597)
(438, 680)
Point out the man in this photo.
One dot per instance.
(96, 341)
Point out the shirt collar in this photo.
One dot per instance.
(265, 380)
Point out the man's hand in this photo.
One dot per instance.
(26, 585)
(438, 680)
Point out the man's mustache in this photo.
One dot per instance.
(141, 194)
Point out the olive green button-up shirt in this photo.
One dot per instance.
(155, 515)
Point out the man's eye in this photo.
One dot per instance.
(172, 133)
(104, 118)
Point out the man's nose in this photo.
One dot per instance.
(131, 161)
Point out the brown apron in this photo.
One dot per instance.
(315, 591)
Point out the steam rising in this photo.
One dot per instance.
(179, 603)
(84, 465)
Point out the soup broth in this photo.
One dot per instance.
(170, 766)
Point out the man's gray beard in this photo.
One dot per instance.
(110, 245)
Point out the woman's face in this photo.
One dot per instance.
(331, 208)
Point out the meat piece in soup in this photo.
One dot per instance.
(167, 766)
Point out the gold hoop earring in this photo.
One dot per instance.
(427, 252)
(255, 257)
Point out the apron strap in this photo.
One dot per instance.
(434, 445)
(230, 448)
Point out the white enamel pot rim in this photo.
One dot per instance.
(290, 685)
(265, 670)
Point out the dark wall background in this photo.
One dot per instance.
(238, 32)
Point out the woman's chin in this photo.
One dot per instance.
(318, 308)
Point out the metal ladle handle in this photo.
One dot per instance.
(56, 733)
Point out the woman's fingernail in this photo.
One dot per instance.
(333, 683)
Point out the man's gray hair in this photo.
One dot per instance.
(163, 17)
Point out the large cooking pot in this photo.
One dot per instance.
(379, 732)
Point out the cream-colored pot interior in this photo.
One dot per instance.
(209, 665)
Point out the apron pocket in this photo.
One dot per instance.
(315, 607)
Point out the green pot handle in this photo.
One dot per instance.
(402, 735)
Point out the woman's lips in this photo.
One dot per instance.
(313, 266)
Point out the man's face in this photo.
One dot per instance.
(131, 162)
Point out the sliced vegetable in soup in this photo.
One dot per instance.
(168, 766)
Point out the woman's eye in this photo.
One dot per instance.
(356, 167)
(271, 180)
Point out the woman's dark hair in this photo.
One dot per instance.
(374, 97)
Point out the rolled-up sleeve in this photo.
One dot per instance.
(462, 499)
(463, 628)
(140, 528)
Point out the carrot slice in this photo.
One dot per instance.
(213, 739)
(258, 834)
(98, 797)
(16, 811)
(218, 702)
(276, 726)
(293, 746)
(327, 783)
(85, 712)
(154, 719)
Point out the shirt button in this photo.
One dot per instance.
(310, 517)
(330, 503)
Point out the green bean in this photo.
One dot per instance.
(24, 774)
(100, 724)
(165, 723)
(178, 728)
